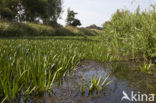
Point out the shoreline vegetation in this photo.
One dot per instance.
(14, 29)
(46, 54)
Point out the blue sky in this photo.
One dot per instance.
(99, 11)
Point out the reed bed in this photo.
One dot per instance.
(132, 34)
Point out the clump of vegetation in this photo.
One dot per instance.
(132, 34)
(96, 84)
(145, 67)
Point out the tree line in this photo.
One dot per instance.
(31, 10)
(34, 10)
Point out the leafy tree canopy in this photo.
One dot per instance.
(28, 10)
(71, 20)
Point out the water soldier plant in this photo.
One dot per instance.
(146, 67)
(32, 66)
(96, 84)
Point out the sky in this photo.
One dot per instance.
(99, 11)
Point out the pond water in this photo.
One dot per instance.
(124, 76)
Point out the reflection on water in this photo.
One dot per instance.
(124, 76)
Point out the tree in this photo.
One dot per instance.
(71, 20)
(29, 10)
(48, 10)
(8, 9)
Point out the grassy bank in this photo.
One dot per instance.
(13, 29)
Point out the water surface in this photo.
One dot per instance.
(125, 76)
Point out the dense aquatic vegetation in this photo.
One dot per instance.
(133, 33)
(33, 65)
